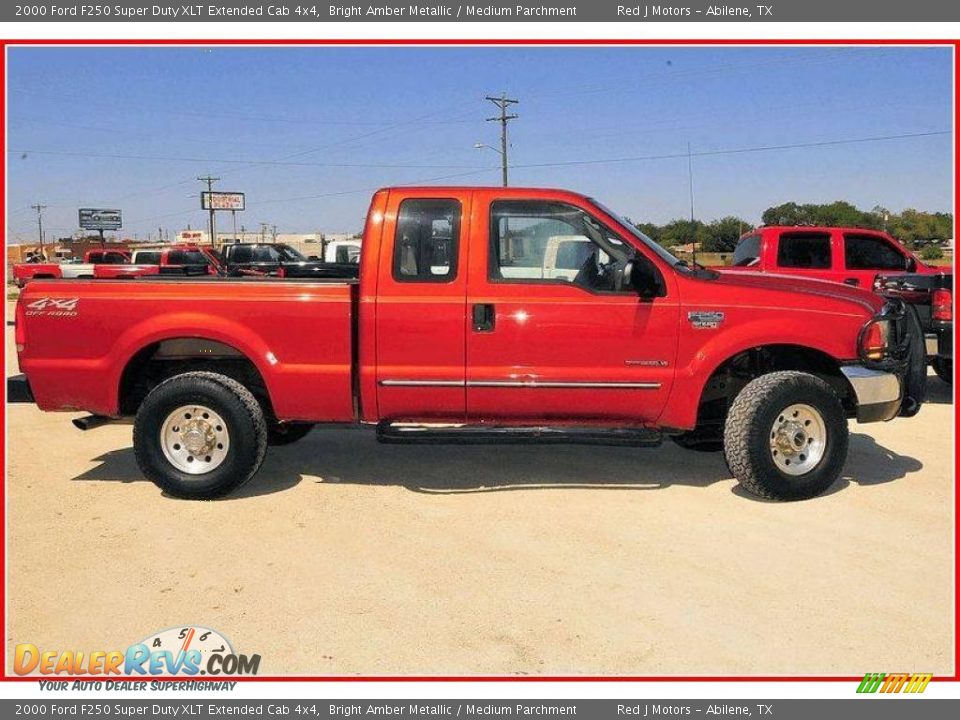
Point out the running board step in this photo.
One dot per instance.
(489, 434)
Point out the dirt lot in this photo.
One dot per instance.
(346, 557)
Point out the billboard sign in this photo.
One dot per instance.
(100, 219)
(222, 200)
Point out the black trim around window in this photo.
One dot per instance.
(493, 249)
(455, 209)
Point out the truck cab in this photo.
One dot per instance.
(853, 256)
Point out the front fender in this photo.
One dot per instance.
(701, 352)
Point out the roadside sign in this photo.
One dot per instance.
(100, 219)
(215, 200)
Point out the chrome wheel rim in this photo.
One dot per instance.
(195, 439)
(798, 439)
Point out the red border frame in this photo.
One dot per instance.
(955, 44)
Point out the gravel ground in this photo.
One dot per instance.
(348, 557)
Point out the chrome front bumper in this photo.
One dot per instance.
(878, 393)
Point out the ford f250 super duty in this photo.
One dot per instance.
(457, 331)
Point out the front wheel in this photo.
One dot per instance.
(943, 367)
(199, 435)
(786, 436)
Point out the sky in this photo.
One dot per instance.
(308, 133)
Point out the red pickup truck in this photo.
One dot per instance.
(93, 260)
(175, 260)
(480, 315)
(852, 256)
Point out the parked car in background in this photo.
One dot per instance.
(852, 256)
(280, 260)
(24, 272)
(931, 294)
(342, 251)
(438, 341)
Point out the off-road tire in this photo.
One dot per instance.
(747, 435)
(287, 433)
(701, 439)
(245, 423)
(944, 369)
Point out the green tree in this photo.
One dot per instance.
(722, 235)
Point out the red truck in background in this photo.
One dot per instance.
(852, 256)
(92, 259)
(113, 264)
(467, 324)
(175, 260)
(863, 258)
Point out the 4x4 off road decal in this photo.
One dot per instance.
(54, 307)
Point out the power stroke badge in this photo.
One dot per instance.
(705, 319)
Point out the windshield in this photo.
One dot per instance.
(288, 253)
(665, 254)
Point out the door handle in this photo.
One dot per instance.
(483, 317)
(851, 281)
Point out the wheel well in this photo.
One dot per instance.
(733, 374)
(159, 361)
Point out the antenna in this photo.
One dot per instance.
(693, 245)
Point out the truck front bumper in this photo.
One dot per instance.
(879, 393)
(895, 385)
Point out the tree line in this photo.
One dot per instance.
(916, 228)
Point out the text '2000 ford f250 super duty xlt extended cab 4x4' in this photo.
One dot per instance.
(458, 331)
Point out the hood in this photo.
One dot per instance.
(822, 289)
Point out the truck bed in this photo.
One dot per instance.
(297, 333)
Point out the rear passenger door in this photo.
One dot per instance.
(809, 253)
(421, 307)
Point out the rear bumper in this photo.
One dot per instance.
(18, 390)
(879, 393)
(939, 340)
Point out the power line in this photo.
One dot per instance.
(737, 151)
(503, 102)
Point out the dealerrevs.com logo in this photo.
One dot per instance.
(894, 682)
(186, 651)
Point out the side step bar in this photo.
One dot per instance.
(397, 433)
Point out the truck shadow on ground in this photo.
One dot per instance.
(938, 392)
(353, 457)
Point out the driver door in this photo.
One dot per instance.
(549, 337)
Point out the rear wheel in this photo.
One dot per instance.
(943, 367)
(786, 436)
(199, 435)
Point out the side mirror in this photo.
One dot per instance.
(643, 276)
(312, 257)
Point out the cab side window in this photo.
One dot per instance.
(804, 250)
(427, 240)
(549, 242)
(868, 252)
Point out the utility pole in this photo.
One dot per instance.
(243, 233)
(40, 208)
(503, 102)
(274, 229)
(213, 227)
(263, 232)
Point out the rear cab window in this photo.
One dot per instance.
(804, 250)
(747, 252)
(427, 240)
